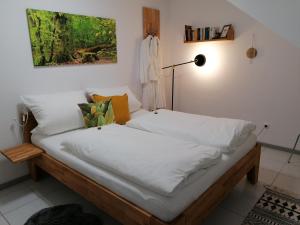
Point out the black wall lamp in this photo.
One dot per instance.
(199, 60)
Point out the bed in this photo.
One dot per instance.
(131, 204)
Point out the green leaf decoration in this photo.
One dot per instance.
(101, 121)
(97, 114)
(109, 116)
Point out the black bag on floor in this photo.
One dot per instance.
(63, 215)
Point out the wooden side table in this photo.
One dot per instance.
(22, 153)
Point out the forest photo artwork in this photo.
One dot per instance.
(65, 39)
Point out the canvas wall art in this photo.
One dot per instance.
(66, 39)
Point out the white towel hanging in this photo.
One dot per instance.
(151, 74)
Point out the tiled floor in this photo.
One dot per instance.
(274, 172)
(19, 202)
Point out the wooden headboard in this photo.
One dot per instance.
(30, 125)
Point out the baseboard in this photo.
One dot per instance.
(280, 148)
(14, 182)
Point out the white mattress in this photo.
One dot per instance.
(165, 208)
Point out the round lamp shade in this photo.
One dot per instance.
(200, 60)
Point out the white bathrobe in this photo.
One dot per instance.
(151, 75)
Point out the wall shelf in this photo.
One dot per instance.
(230, 37)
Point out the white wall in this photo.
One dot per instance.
(268, 90)
(280, 16)
(17, 75)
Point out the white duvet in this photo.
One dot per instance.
(158, 163)
(223, 133)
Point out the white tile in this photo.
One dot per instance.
(249, 190)
(239, 203)
(295, 160)
(224, 217)
(291, 170)
(266, 176)
(274, 155)
(288, 184)
(243, 198)
(25, 185)
(22, 214)
(3, 221)
(60, 197)
(47, 185)
(271, 164)
(16, 199)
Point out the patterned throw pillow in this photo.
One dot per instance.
(97, 114)
(120, 106)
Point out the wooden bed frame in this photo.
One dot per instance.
(130, 214)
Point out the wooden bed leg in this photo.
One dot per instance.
(33, 170)
(252, 175)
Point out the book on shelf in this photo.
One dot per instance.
(188, 33)
(207, 29)
(215, 33)
(195, 34)
(192, 35)
(211, 33)
(200, 34)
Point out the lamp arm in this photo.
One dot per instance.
(180, 64)
(199, 61)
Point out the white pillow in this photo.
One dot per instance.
(56, 113)
(133, 103)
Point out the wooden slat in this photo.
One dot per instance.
(151, 22)
(22, 153)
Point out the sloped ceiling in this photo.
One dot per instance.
(281, 16)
